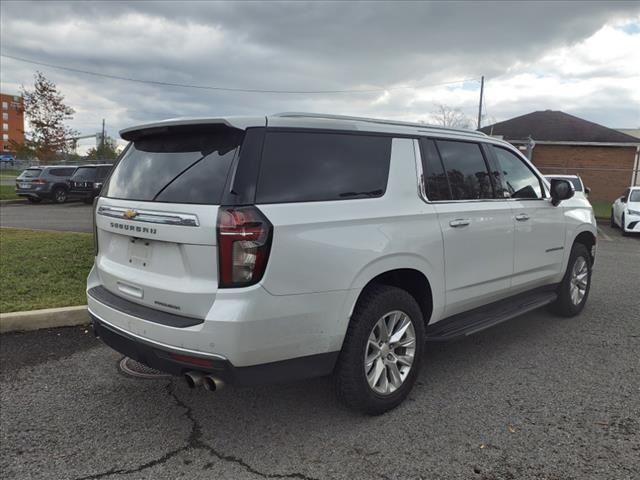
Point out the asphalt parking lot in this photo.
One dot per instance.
(539, 397)
(70, 216)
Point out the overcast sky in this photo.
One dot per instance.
(579, 57)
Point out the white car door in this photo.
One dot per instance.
(540, 227)
(618, 207)
(477, 229)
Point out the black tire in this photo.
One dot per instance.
(59, 195)
(352, 387)
(564, 305)
(624, 233)
(613, 222)
(34, 199)
(88, 200)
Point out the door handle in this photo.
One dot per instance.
(522, 217)
(459, 222)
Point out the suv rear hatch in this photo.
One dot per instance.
(24, 181)
(156, 218)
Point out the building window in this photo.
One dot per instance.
(5, 106)
(5, 137)
(5, 116)
(5, 127)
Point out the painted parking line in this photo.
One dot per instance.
(604, 235)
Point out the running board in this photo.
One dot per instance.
(479, 319)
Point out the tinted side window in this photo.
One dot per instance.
(517, 179)
(466, 170)
(435, 180)
(61, 172)
(307, 167)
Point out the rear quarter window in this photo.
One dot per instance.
(311, 167)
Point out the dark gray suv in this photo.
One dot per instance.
(37, 183)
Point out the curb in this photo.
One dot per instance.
(13, 200)
(47, 318)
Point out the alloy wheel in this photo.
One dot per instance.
(579, 280)
(390, 352)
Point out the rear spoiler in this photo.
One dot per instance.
(239, 123)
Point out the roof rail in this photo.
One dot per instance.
(379, 121)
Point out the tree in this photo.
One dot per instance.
(451, 117)
(46, 111)
(107, 150)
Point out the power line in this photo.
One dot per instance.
(228, 89)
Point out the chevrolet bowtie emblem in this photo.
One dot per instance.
(129, 214)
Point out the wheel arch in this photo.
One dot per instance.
(409, 279)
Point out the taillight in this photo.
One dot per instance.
(244, 241)
(39, 181)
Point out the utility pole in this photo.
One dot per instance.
(480, 105)
(102, 140)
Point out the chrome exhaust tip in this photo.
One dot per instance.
(212, 383)
(194, 379)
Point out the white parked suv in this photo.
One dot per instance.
(625, 211)
(269, 249)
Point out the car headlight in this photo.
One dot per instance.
(633, 212)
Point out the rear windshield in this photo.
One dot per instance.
(176, 167)
(84, 174)
(31, 173)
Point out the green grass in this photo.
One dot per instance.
(43, 269)
(8, 192)
(602, 209)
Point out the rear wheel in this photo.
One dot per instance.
(575, 286)
(34, 199)
(382, 351)
(59, 195)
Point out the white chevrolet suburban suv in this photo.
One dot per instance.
(250, 250)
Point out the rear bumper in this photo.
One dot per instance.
(33, 193)
(177, 361)
(83, 193)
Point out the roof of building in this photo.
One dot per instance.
(556, 126)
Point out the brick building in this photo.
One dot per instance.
(607, 160)
(12, 122)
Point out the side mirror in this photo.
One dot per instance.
(587, 190)
(623, 199)
(561, 190)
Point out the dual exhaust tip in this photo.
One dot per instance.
(209, 382)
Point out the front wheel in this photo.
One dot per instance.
(575, 286)
(382, 351)
(613, 220)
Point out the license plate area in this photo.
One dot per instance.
(140, 252)
(24, 185)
